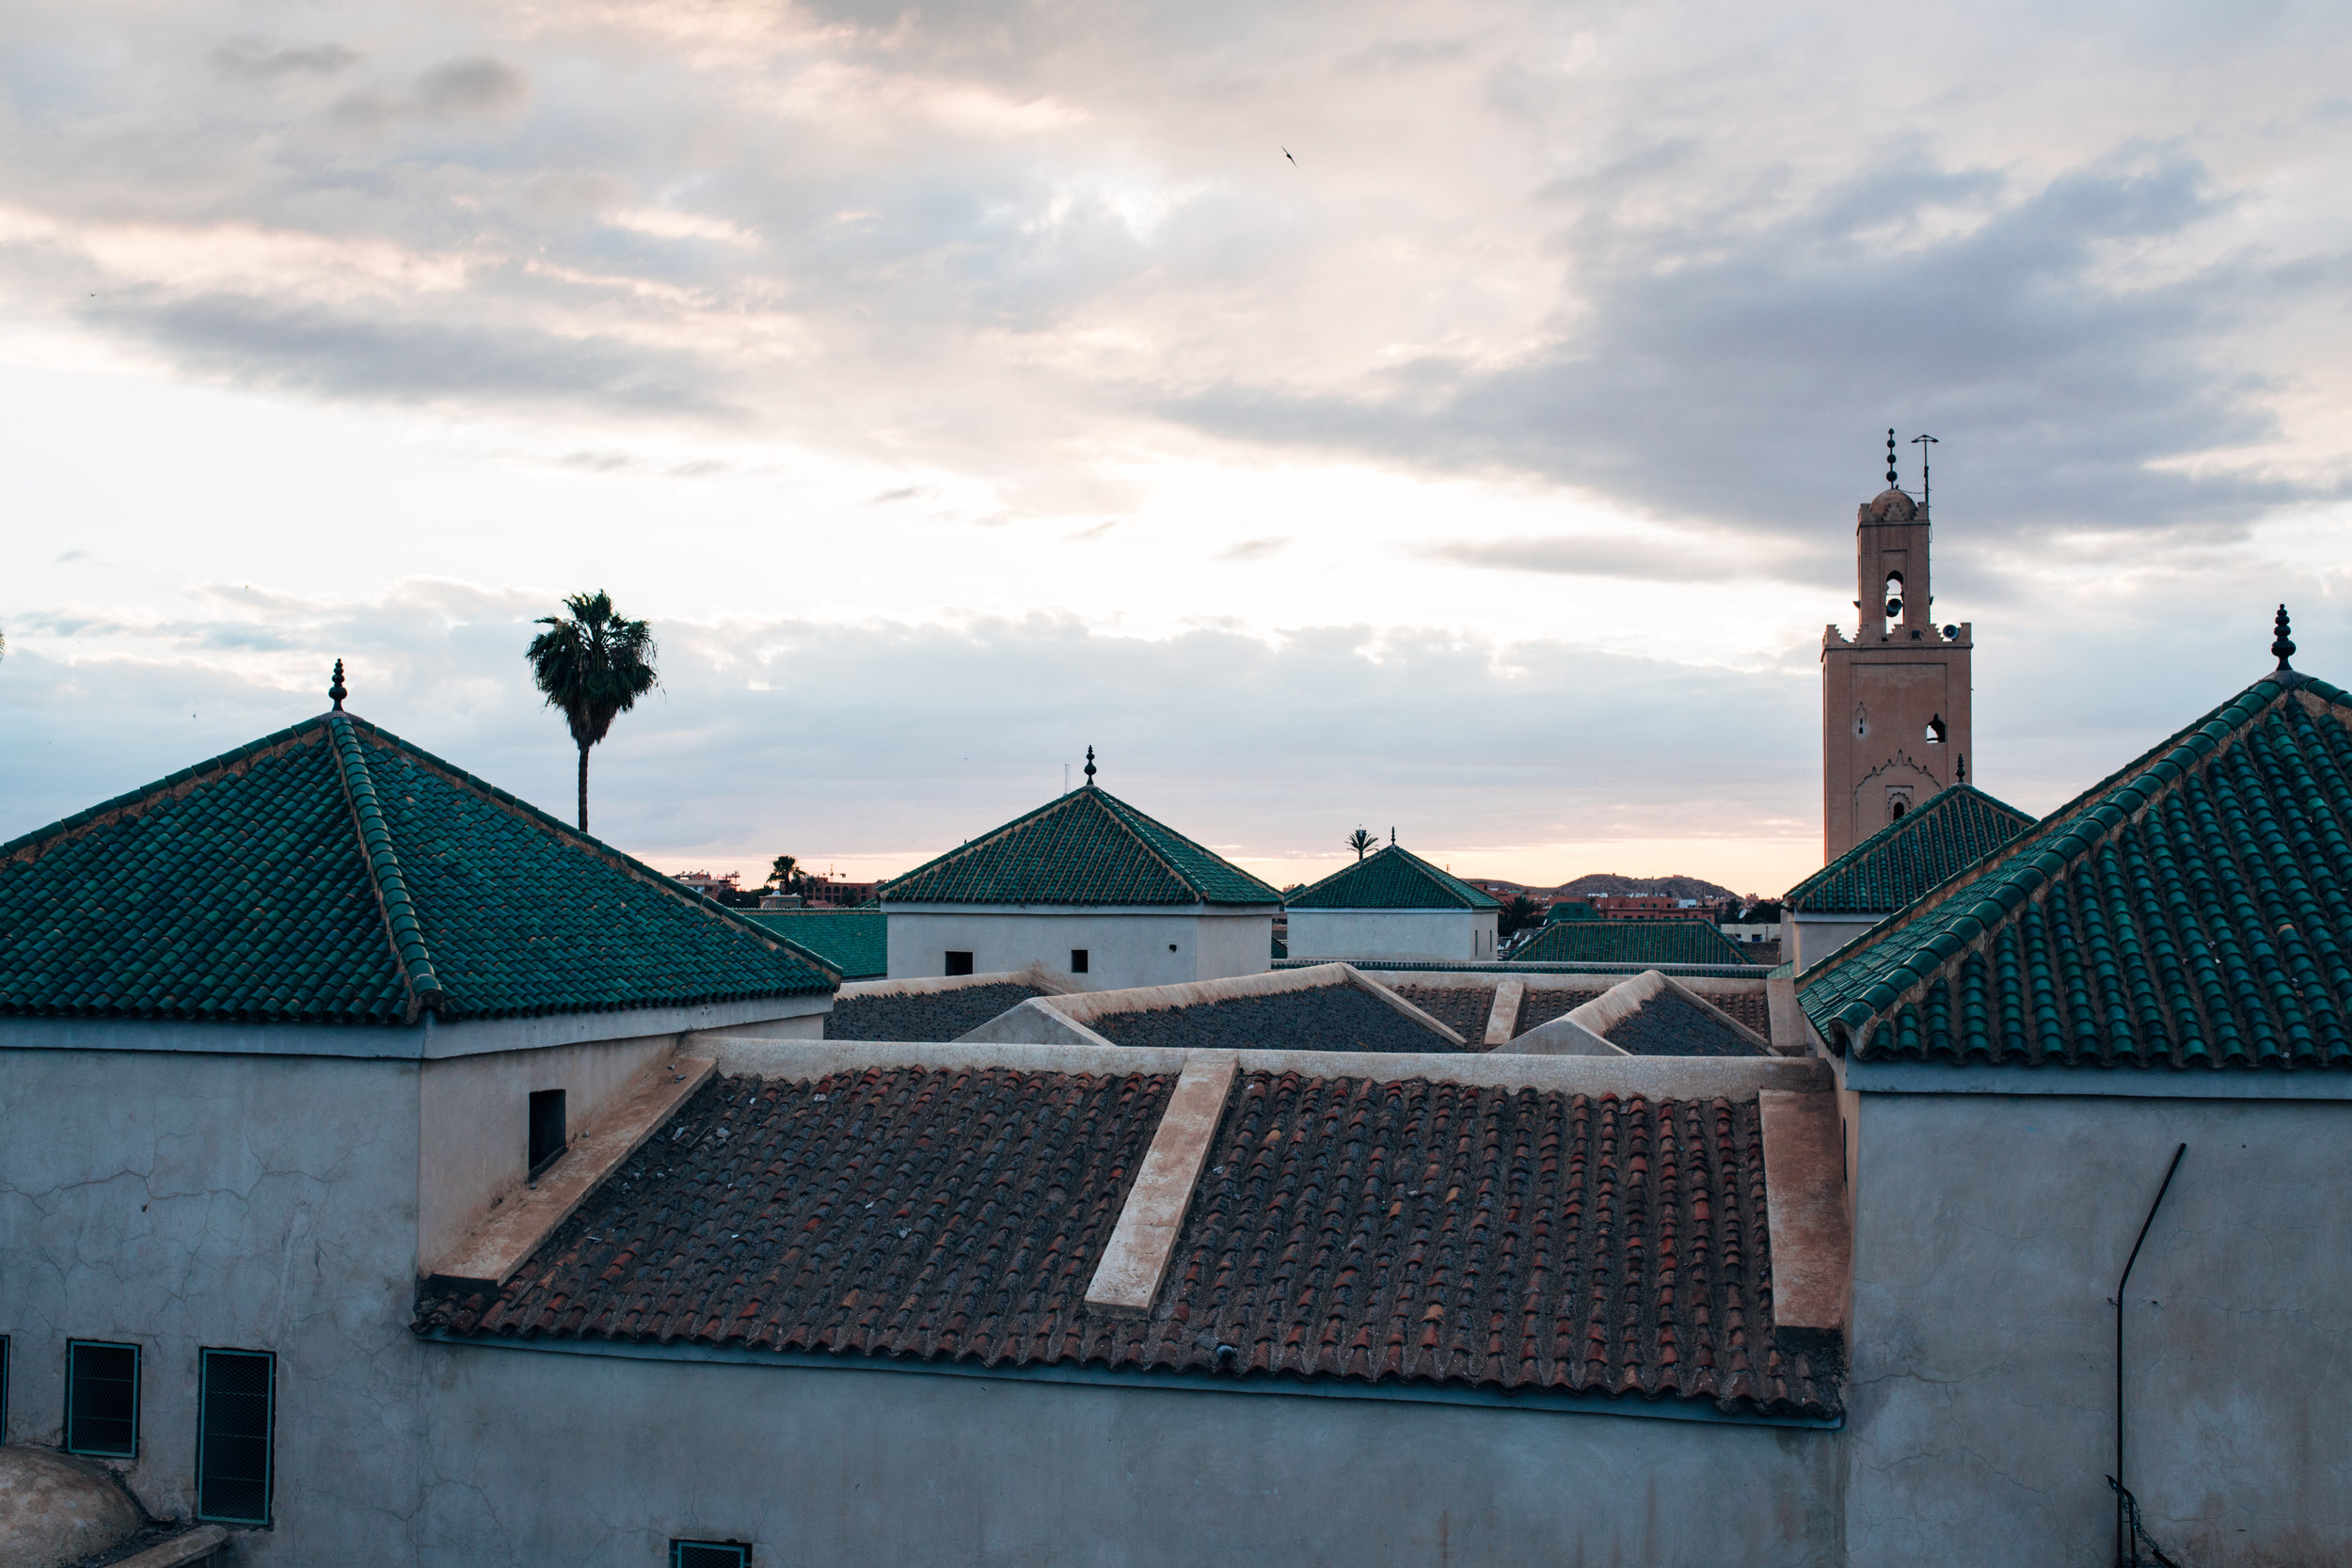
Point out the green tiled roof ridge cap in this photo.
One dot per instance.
(392, 889)
(2023, 869)
(1942, 802)
(565, 833)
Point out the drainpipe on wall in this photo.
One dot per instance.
(2128, 1534)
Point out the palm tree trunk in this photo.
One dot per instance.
(583, 789)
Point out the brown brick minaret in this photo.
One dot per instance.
(1895, 696)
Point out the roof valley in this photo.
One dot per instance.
(400, 926)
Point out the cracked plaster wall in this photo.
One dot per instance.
(539, 1457)
(1990, 1231)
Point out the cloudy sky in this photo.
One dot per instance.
(1441, 417)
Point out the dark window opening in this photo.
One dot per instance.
(4, 1388)
(1935, 731)
(547, 1129)
(235, 1405)
(1900, 807)
(958, 963)
(102, 1399)
(1077, 961)
(709, 1554)
(1171, 947)
(1894, 599)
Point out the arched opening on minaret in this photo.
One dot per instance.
(1894, 600)
(1936, 731)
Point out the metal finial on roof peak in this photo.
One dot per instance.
(1090, 768)
(1890, 457)
(2283, 645)
(1391, 835)
(336, 689)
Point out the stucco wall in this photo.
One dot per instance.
(855, 1469)
(1124, 950)
(1815, 937)
(1428, 936)
(1990, 1231)
(179, 1201)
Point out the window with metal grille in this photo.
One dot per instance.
(958, 963)
(102, 1399)
(709, 1554)
(547, 1129)
(235, 1405)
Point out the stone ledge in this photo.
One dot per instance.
(1804, 1201)
(1127, 1280)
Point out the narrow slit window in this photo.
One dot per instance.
(237, 1405)
(958, 963)
(102, 1399)
(547, 1129)
(4, 1388)
(1077, 961)
(709, 1554)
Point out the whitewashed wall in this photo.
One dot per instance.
(1125, 947)
(1424, 936)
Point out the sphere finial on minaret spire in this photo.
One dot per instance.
(1890, 457)
(334, 690)
(1090, 768)
(2283, 645)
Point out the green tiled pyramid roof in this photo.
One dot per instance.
(2193, 909)
(1911, 855)
(1391, 879)
(1630, 942)
(332, 873)
(1088, 847)
(855, 941)
(1570, 908)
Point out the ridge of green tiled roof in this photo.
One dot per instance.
(854, 942)
(1911, 855)
(1665, 942)
(2192, 909)
(333, 873)
(1087, 846)
(1391, 878)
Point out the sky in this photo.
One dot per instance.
(1446, 419)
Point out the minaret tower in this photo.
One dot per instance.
(1895, 696)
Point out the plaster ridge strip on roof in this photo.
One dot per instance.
(399, 911)
(1502, 1018)
(487, 1259)
(1805, 1219)
(1039, 975)
(1626, 1077)
(1127, 1280)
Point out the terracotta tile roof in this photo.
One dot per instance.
(333, 873)
(1391, 878)
(2193, 909)
(855, 941)
(1666, 1025)
(1464, 1010)
(1911, 855)
(1326, 1018)
(1750, 1008)
(1088, 847)
(1344, 1229)
(936, 1015)
(1542, 1006)
(1649, 942)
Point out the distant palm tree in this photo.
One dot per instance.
(1361, 841)
(782, 874)
(593, 666)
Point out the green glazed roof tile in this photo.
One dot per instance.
(1088, 847)
(2192, 909)
(1911, 855)
(1391, 879)
(1639, 941)
(332, 873)
(854, 942)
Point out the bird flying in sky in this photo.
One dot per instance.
(1286, 153)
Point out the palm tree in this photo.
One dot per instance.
(782, 874)
(1361, 841)
(593, 666)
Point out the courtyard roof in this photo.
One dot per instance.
(1344, 1230)
(1642, 942)
(1086, 846)
(1956, 828)
(2192, 909)
(1391, 878)
(333, 873)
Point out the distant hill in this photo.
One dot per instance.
(1604, 883)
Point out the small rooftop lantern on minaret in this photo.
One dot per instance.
(2282, 645)
(334, 690)
(1090, 768)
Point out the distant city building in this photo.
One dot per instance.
(832, 891)
(1651, 906)
(709, 886)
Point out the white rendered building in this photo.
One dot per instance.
(1393, 905)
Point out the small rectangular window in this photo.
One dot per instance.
(102, 1399)
(236, 1404)
(1077, 961)
(547, 1129)
(709, 1554)
(958, 963)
